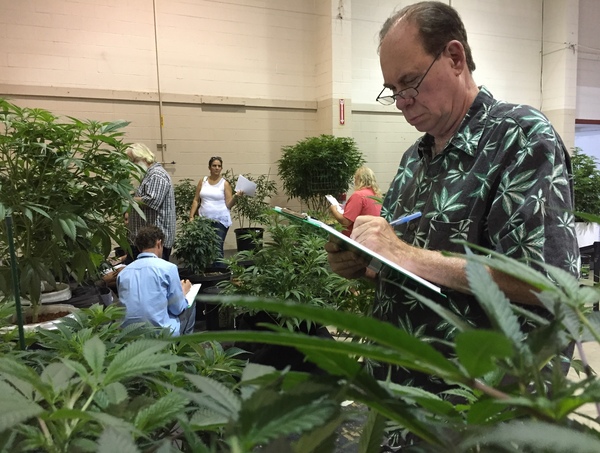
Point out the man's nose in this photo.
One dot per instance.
(401, 103)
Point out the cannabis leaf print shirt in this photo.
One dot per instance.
(502, 182)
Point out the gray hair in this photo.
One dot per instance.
(438, 24)
(139, 151)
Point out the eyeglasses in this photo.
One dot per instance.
(407, 93)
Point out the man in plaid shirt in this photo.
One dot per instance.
(156, 198)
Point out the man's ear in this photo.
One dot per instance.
(457, 53)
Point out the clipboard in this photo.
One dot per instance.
(376, 260)
(192, 293)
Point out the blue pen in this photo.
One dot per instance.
(406, 218)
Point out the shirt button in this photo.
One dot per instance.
(412, 227)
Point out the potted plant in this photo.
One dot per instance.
(65, 185)
(292, 266)
(184, 196)
(318, 166)
(586, 185)
(196, 247)
(251, 211)
(115, 389)
(538, 408)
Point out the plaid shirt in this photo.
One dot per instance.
(158, 204)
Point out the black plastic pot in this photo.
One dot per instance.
(207, 312)
(279, 357)
(249, 238)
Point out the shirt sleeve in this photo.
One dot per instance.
(175, 297)
(353, 207)
(154, 191)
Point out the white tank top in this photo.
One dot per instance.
(212, 202)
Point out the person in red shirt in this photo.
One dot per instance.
(361, 202)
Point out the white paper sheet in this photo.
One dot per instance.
(246, 186)
(192, 293)
(335, 203)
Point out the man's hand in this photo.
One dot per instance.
(345, 263)
(377, 235)
(186, 285)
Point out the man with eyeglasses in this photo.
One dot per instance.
(485, 171)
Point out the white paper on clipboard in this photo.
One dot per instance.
(350, 244)
(192, 293)
(246, 186)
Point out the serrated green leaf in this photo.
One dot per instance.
(16, 409)
(94, 352)
(228, 402)
(207, 419)
(479, 350)
(397, 346)
(533, 436)
(57, 375)
(12, 367)
(372, 433)
(161, 412)
(282, 420)
(77, 368)
(112, 441)
(495, 304)
(320, 439)
(115, 392)
(139, 358)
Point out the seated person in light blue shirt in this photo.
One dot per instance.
(151, 290)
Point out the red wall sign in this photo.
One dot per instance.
(342, 112)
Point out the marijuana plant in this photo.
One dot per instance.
(485, 412)
(66, 185)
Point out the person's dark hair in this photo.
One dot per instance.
(212, 159)
(147, 237)
(438, 24)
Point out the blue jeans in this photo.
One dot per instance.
(222, 233)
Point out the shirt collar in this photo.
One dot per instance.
(467, 136)
(147, 255)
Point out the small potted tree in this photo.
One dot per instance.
(318, 166)
(196, 247)
(65, 185)
(251, 211)
(184, 196)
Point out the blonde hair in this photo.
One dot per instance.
(139, 151)
(365, 178)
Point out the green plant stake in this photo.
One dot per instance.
(15, 281)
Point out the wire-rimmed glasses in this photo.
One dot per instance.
(407, 93)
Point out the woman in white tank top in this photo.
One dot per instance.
(214, 199)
